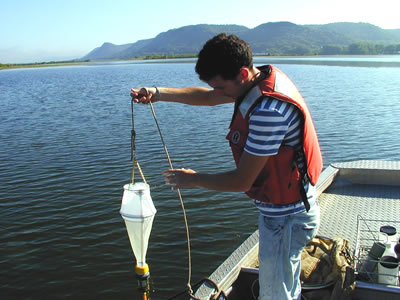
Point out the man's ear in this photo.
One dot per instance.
(244, 74)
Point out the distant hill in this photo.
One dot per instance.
(362, 32)
(271, 38)
(107, 50)
(395, 32)
(286, 37)
(184, 40)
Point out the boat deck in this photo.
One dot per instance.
(363, 189)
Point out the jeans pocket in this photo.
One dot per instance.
(273, 223)
(303, 233)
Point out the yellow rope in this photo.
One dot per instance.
(135, 161)
(140, 171)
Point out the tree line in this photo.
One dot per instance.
(43, 64)
(360, 48)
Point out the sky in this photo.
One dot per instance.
(46, 30)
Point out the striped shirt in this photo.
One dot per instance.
(274, 123)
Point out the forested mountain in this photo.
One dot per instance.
(362, 32)
(272, 38)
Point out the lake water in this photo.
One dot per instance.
(65, 156)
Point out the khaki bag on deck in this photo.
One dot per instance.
(327, 269)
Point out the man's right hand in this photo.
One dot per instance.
(145, 95)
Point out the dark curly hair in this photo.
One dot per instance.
(223, 55)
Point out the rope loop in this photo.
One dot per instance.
(219, 294)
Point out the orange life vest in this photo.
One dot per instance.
(280, 182)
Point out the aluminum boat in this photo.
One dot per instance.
(356, 198)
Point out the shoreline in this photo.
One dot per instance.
(172, 57)
(42, 64)
(88, 62)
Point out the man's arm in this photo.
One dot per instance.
(239, 180)
(189, 95)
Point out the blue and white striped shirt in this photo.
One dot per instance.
(272, 124)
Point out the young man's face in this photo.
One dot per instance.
(229, 88)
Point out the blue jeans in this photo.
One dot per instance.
(282, 240)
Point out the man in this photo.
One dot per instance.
(275, 148)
